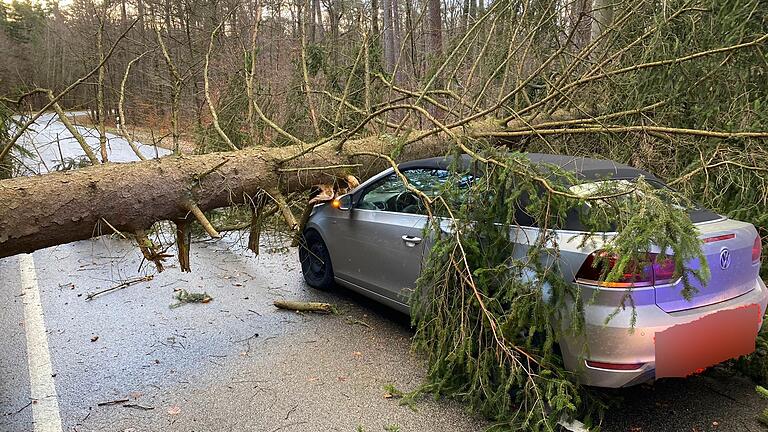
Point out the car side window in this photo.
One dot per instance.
(389, 193)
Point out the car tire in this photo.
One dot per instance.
(316, 261)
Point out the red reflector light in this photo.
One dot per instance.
(757, 249)
(636, 274)
(663, 270)
(615, 366)
(719, 238)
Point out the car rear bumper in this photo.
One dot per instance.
(685, 342)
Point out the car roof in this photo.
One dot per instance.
(582, 167)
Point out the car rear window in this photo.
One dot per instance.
(696, 212)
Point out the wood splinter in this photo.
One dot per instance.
(195, 210)
(257, 218)
(183, 240)
(323, 193)
(148, 250)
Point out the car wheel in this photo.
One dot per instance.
(316, 261)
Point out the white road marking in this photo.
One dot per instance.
(45, 406)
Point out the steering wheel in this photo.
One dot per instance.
(403, 200)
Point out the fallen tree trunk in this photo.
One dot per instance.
(58, 208)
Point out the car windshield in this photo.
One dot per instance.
(390, 194)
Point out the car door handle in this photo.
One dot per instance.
(411, 241)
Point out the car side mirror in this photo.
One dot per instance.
(343, 202)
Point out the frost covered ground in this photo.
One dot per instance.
(51, 147)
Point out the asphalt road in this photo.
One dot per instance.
(238, 364)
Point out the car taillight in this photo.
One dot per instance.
(663, 270)
(650, 271)
(757, 249)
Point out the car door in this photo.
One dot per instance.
(383, 235)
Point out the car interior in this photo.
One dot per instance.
(389, 193)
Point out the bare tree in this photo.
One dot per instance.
(176, 82)
(434, 27)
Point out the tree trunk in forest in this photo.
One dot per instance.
(581, 23)
(141, 13)
(59, 208)
(101, 114)
(250, 75)
(464, 16)
(318, 32)
(375, 18)
(167, 14)
(195, 74)
(434, 26)
(397, 33)
(388, 41)
(306, 18)
(176, 83)
(411, 40)
(602, 18)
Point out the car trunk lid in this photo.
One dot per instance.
(727, 246)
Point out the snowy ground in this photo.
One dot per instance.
(53, 148)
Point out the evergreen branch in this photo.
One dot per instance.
(622, 129)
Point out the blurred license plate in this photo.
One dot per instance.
(690, 348)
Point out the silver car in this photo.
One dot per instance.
(373, 241)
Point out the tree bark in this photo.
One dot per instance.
(63, 207)
(434, 27)
(57, 208)
(300, 306)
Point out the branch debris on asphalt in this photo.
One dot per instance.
(184, 297)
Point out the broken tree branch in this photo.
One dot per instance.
(200, 216)
(207, 88)
(119, 286)
(147, 248)
(622, 129)
(299, 306)
(286, 211)
(73, 130)
(121, 108)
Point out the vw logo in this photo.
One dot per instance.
(725, 258)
